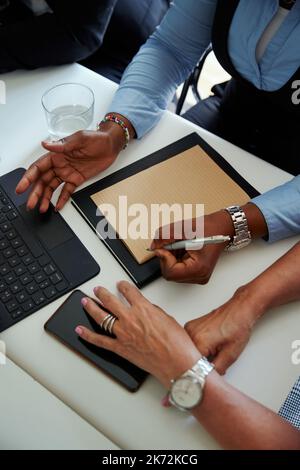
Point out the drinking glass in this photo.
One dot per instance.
(69, 108)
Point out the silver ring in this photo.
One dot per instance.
(102, 324)
(107, 324)
(111, 326)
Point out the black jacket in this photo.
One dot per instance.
(131, 24)
(74, 31)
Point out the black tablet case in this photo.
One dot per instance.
(146, 273)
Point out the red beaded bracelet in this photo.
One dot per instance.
(116, 120)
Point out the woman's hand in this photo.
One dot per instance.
(223, 334)
(145, 334)
(194, 267)
(72, 161)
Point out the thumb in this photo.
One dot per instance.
(55, 147)
(62, 146)
(170, 268)
(166, 257)
(225, 359)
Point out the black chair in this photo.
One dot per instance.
(192, 82)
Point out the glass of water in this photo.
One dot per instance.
(69, 108)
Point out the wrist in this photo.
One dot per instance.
(256, 222)
(221, 223)
(179, 366)
(121, 126)
(114, 134)
(253, 301)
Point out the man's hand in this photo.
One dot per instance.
(194, 267)
(223, 334)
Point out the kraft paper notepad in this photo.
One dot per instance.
(187, 171)
(191, 177)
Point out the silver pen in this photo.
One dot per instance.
(196, 243)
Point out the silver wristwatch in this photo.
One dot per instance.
(242, 237)
(187, 392)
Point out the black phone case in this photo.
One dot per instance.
(62, 325)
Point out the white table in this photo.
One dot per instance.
(264, 371)
(33, 418)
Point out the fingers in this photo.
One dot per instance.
(224, 359)
(110, 302)
(95, 311)
(65, 195)
(208, 348)
(43, 191)
(172, 269)
(130, 292)
(101, 341)
(163, 236)
(180, 230)
(48, 193)
(34, 172)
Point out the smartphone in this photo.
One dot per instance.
(62, 326)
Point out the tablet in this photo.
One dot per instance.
(185, 173)
(62, 325)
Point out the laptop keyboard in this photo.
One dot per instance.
(29, 279)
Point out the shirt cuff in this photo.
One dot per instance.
(281, 210)
(143, 117)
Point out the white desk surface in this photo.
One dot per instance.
(34, 419)
(264, 371)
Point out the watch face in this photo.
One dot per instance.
(186, 393)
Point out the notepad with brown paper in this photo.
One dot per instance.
(187, 172)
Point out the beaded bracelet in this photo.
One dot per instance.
(116, 120)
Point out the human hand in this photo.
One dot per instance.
(145, 334)
(223, 334)
(70, 163)
(194, 267)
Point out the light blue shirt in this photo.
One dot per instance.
(172, 52)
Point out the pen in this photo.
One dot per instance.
(196, 243)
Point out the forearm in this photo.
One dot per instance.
(274, 215)
(278, 285)
(221, 222)
(238, 422)
(164, 62)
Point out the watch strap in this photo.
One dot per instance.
(242, 237)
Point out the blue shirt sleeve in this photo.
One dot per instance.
(164, 62)
(281, 209)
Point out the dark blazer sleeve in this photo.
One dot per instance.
(71, 33)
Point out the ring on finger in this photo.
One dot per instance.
(104, 321)
(108, 323)
(110, 327)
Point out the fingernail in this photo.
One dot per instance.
(84, 302)
(166, 402)
(79, 331)
(96, 290)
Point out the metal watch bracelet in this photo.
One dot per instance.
(242, 237)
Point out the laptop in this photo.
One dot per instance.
(41, 258)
